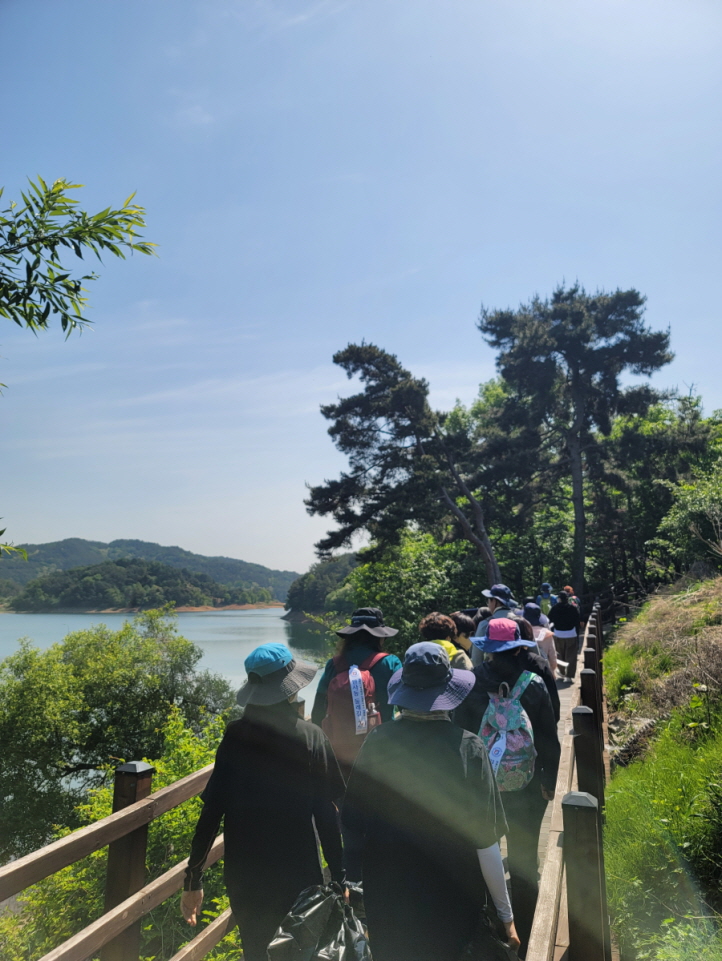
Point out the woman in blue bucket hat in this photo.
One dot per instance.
(431, 819)
(275, 777)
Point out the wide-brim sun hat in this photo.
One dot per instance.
(274, 675)
(502, 634)
(427, 682)
(369, 619)
(501, 593)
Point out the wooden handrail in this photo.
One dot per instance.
(543, 937)
(20, 874)
(209, 937)
(86, 942)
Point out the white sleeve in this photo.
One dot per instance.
(492, 868)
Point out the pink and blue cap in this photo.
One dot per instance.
(502, 634)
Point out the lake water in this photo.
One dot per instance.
(226, 637)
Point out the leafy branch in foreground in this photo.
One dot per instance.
(34, 284)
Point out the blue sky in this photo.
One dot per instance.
(316, 172)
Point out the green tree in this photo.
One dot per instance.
(34, 283)
(563, 358)
(68, 712)
(309, 592)
(53, 910)
(404, 467)
(414, 577)
(692, 529)
(632, 485)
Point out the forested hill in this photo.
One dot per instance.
(320, 588)
(76, 552)
(130, 583)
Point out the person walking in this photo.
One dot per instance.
(573, 599)
(465, 628)
(545, 598)
(501, 604)
(442, 629)
(275, 777)
(524, 806)
(340, 714)
(361, 644)
(565, 621)
(431, 819)
(531, 660)
(542, 635)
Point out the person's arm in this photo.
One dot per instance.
(205, 834)
(492, 867)
(328, 790)
(546, 740)
(382, 674)
(552, 651)
(547, 675)
(325, 814)
(320, 702)
(208, 824)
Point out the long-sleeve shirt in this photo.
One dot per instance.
(275, 776)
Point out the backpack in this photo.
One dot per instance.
(350, 712)
(507, 733)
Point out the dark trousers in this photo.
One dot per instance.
(524, 813)
(567, 650)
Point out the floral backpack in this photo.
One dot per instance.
(507, 733)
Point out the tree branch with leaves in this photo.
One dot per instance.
(35, 285)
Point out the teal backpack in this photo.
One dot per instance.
(507, 733)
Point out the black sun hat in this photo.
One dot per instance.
(369, 619)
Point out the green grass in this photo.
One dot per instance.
(663, 843)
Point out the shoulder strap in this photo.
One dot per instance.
(525, 679)
(372, 661)
(340, 664)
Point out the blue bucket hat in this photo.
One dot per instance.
(502, 634)
(273, 675)
(532, 613)
(501, 593)
(427, 682)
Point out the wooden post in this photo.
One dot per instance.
(589, 696)
(126, 858)
(589, 938)
(588, 753)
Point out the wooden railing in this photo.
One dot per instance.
(571, 922)
(127, 897)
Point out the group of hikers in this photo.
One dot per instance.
(409, 774)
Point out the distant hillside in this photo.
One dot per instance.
(76, 552)
(318, 589)
(130, 582)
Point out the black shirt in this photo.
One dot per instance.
(565, 617)
(275, 775)
(424, 797)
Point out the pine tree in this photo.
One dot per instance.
(564, 358)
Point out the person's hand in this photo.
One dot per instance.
(191, 902)
(511, 935)
(347, 895)
(547, 795)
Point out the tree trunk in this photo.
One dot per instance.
(574, 445)
(480, 540)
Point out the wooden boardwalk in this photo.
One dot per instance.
(565, 697)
